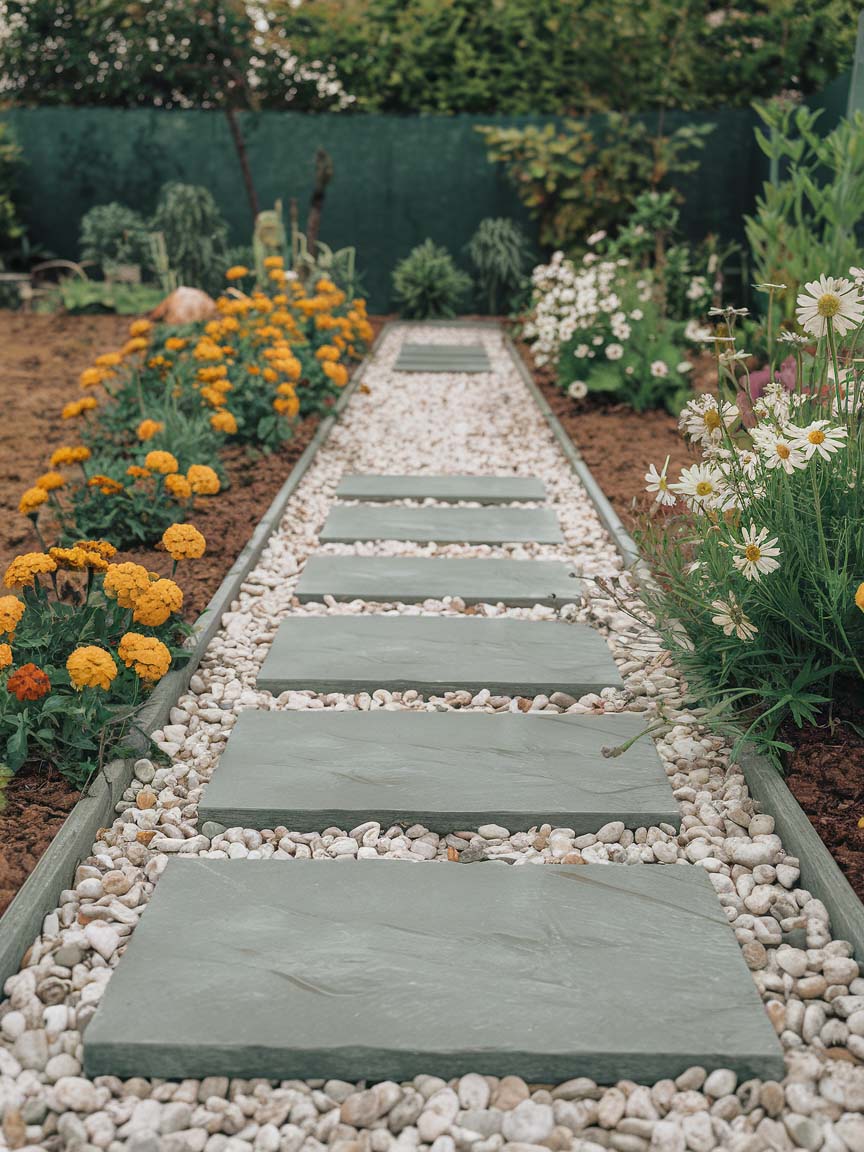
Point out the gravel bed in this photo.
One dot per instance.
(811, 987)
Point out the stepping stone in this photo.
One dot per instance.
(446, 770)
(480, 489)
(435, 655)
(410, 579)
(442, 358)
(346, 524)
(383, 970)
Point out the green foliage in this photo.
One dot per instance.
(196, 235)
(809, 214)
(79, 296)
(113, 234)
(427, 284)
(577, 177)
(500, 252)
(11, 228)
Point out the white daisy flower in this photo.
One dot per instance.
(699, 485)
(578, 390)
(582, 351)
(830, 298)
(614, 351)
(794, 338)
(636, 314)
(703, 421)
(758, 553)
(731, 618)
(697, 332)
(820, 438)
(684, 367)
(657, 482)
(778, 450)
(659, 369)
(596, 237)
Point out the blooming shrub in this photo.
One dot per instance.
(84, 638)
(758, 546)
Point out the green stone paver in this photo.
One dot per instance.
(480, 489)
(446, 770)
(520, 583)
(442, 358)
(347, 523)
(435, 654)
(386, 969)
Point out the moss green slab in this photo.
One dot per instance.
(410, 579)
(447, 770)
(442, 358)
(435, 654)
(480, 489)
(385, 969)
(348, 523)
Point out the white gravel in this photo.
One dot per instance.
(812, 990)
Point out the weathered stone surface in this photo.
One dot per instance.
(480, 489)
(471, 357)
(348, 523)
(411, 579)
(431, 654)
(263, 968)
(445, 770)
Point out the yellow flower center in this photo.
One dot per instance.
(817, 436)
(828, 304)
(704, 488)
(782, 451)
(752, 552)
(712, 419)
(661, 484)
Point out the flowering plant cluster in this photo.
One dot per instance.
(758, 546)
(83, 637)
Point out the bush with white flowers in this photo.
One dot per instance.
(758, 546)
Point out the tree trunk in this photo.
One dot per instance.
(323, 176)
(240, 148)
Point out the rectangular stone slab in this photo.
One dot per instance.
(442, 358)
(410, 579)
(435, 654)
(347, 523)
(480, 489)
(446, 770)
(385, 969)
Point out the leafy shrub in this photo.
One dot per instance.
(427, 284)
(11, 228)
(196, 235)
(500, 252)
(113, 234)
(758, 548)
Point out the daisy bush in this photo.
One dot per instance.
(84, 636)
(621, 320)
(757, 548)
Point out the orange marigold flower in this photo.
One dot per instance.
(126, 583)
(175, 344)
(162, 462)
(108, 360)
(183, 542)
(237, 272)
(11, 611)
(178, 486)
(136, 344)
(327, 352)
(859, 597)
(107, 485)
(203, 479)
(147, 429)
(149, 657)
(137, 472)
(69, 455)
(156, 604)
(287, 406)
(273, 262)
(51, 480)
(31, 501)
(5, 655)
(140, 327)
(28, 683)
(24, 569)
(224, 421)
(91, 377)
(91, 667)
(338, 373)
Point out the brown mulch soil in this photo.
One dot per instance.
(41, 360)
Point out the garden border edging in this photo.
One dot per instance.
(820, 873)
(37, 897)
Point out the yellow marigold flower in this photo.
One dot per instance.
(148, 656)
(212, 396)
(71, 559)
(137, 472)
(162, 462)
(71, 410)
(100, 547)
(107, 485)
(91, 667)
(156, 604)
(91, 377)
(175, 344)
(286, 389)
(338, 373)
(140, 327)
(24, 569)
(859, 597)
(50, 481)
(287, 406)
(203, 479)
(69, 455)
(32, 500)
(224, 421)
(327, 352)
(277, 275)
(237, 272)
(11, 611)
(270, 375)
(213, 373)
(159, 362)
(5, 655)
(108, 360)
(126, 582)
(273, 262)
(183, 542)
(136, 344)
(178, 486)
(253, 370)
(147, 429)
(207, 350)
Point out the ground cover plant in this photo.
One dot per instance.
(758, 547)
(427, 285)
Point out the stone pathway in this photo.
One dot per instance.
(581, 968)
